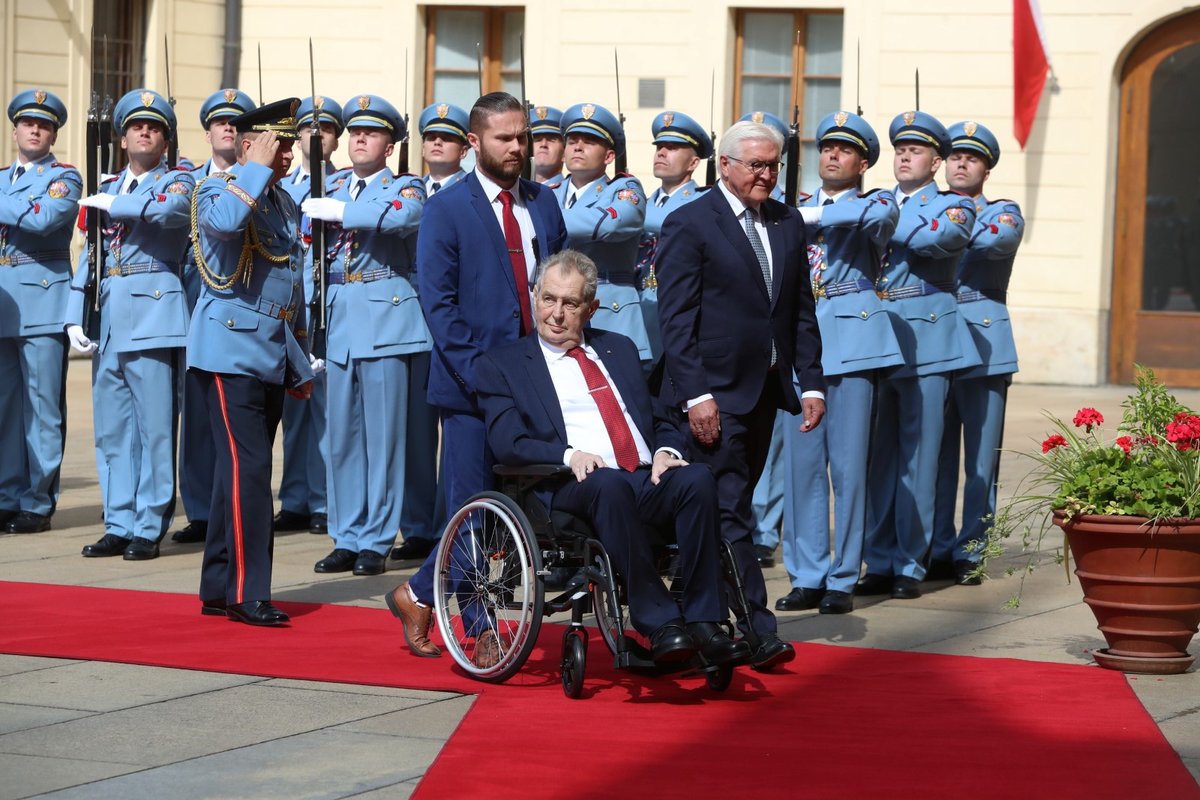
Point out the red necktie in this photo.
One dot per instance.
(516, 253)
(624, 447)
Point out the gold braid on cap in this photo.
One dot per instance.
(251, 245)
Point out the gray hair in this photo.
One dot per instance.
(571, 261)
(740, 132)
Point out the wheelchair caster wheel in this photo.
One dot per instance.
(574, 662)
(718, 678)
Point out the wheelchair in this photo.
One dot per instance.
(493, 564)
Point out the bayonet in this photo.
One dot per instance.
(527, 168)
(917, 86)
(173, 140)
(710, 174)
(262, 98)
(622, 160)
(316, 174)
(858, 77)
(479, 65)
(402, 162)
(791, 184)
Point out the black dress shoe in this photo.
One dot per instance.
(340, 560)
(108, 545)
(905, 588)
(414, 549)
(670, 644)
(256, 612)
(716, 646)
(873, 584)
(800, 599)
(765, 555)
(939, 570)
(772, 651)
(140, 549)
(291, 521)
(212, 608)
(370, 563)
(6, 516)
(964, 573)
(318, 524)
(195, 531)
(835, 602)
(28, 522)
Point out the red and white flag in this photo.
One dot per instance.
(1031, 66)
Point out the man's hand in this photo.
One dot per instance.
(324, 208)
(705, 420)
(813, 408)
(101, 201)
(79, 341)
(664, 461)
(317, 364)
(263, 149)
(302, 392)
(583, 464)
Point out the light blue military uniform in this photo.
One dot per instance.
(546, 121)
(668, 127)
(975, 411)
(857, 340)
(917, 283)
(606, 222)
(302, 483)
(143, 328)
(376, 331)
(782, 128)
(37, 208)
(196, 456)
(444, 118)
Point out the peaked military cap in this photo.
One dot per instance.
(671, 126)
(922, 128)
(976, 138)
(372, 111)
(279, 116)
(143, 104)
(38, 104)
(768, 119)
(328, 109)
(545, 119)
(596, 121)
(225, 103)
(842, 126)
(444, 118)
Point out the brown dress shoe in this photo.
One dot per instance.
(487, 651)
(417, 621)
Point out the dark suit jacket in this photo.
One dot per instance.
(716, 318)
(524, 418)
(466, 282)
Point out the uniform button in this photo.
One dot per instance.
(863, 314)
(933, 317)
(987, 321)
(395, 300)
(516, 315)
(45, 282)
(157, 293)
(229, 322)
(883, 280)
(616, 306)
(821, 239)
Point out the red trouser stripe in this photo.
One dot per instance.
(239, 556)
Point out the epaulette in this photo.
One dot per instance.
(802, 196)
(407, 175)
(64, 166)
(956, 192)
(703, 188)
(552, 186)
(1001, 200)
(623, 175)
(869, 192)
(337, 172)
(110, 179)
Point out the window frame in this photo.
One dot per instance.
(492, 47)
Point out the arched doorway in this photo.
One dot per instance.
(1156, 257)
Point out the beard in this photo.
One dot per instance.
(497, 168)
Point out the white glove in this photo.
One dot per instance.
(324, 208)
(101, 201)
(80, 342)
(317, 364)
(811, 214)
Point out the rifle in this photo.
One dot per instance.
(97, 124)
(262, 98)
(173, 141)
(858, 93)
(479, 65)
(791, 184)
(622, 160)
(917, 87)
(527, 167)
(710, 172)
(402, 161)
(316, 175)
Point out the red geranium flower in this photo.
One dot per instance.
(1054, 441)
(1088, 418)
(1125, 443)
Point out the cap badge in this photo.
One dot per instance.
(230, 95)
(541, 112)
(318, 102)
(147, 99)
(442, 110)
(840, 118)
(364, 102)
(587, 110)
(909, 116)
(970, 128)
(39, 97)
(757, 116)
(667, 119)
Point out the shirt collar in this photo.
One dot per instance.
(822, 195)
(582, 191)
(553, 352)
(493, 189)
(354, 179)
(737, 205)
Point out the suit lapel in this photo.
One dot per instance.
(487, 218)
(733, 232)
(775, 240)
(539, 224)
(539, 377)
(626, 385)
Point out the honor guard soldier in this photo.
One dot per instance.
(248, 345)
(605, 218)
(303, 499)
(143, 328)
(847, 231)
(680, 144)
(378, 342)
(917, 286)
(548, 144)
(37, 206)
(975, 411)
(195, 434)
(443, 129)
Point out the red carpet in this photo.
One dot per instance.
(839, 722)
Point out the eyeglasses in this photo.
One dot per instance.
(759, 167)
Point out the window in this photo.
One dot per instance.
(787, 59)
(118, 48)
(459, 39)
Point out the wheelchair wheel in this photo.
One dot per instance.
(574, 662)
(487, 580)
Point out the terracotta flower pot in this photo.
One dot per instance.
(1143, 585)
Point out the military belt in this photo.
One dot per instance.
(617, 278)
(142, 268)
(365, 276)
(17, 259)
(275, 310)
(843, 287)
(974, 296)
(918, 290)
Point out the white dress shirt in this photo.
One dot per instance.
(520, 211)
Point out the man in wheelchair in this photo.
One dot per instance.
(560, 397)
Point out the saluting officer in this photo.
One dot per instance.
(443, 128)
(143, 328)
(680, 144)
(917, 285)
(247, 346)
(977, 394)
(376, 336)
(303, 499)
(847, 231)
(545, 126)
(37, 206)
(195, 435)
(605, 218)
